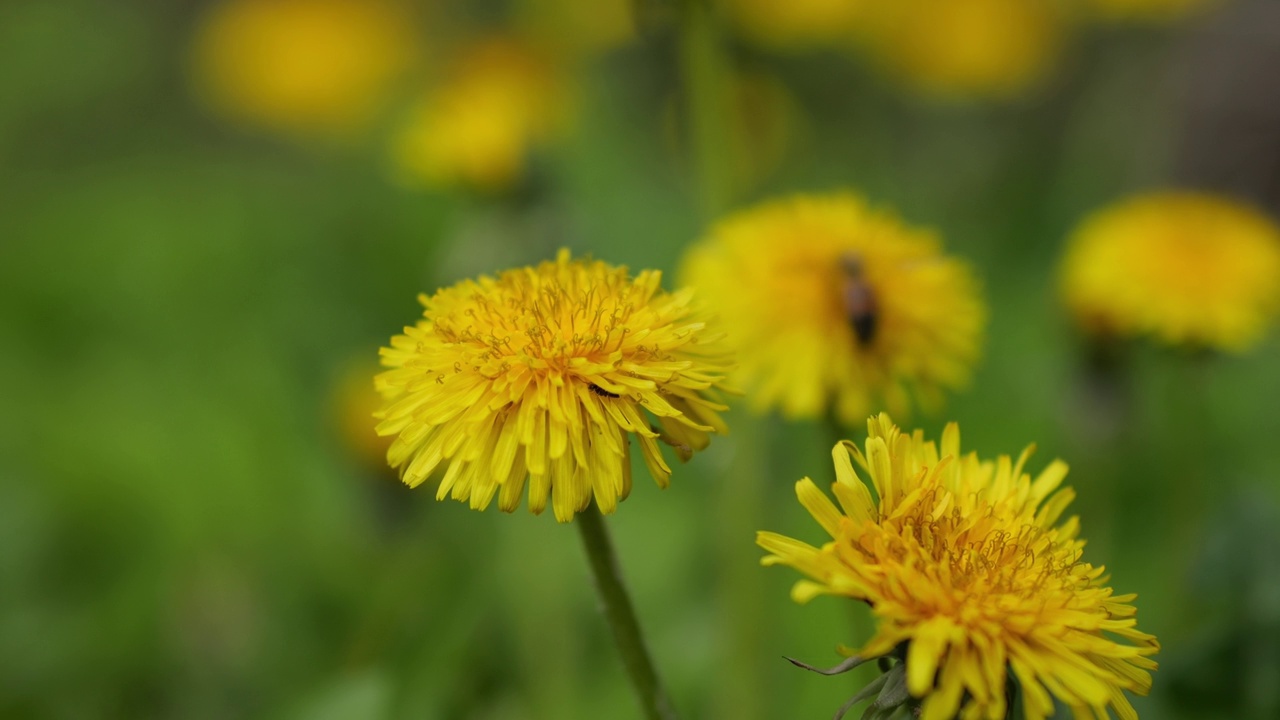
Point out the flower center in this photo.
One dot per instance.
(982, 553)
(554, 325)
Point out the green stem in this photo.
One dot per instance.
(704, 70)
(745, 670)
(622, 617)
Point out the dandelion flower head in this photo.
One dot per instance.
(500, 100)
(541, 376)
(1187, 268)
(966, 562)
(832, 304)
(975, 48)
(311, 67)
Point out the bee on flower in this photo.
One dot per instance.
(1189, 269)
(974, 578)
(835, 306)
(540, 378)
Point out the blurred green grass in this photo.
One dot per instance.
(183, 533)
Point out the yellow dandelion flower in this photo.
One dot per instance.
(1146, 10)
(831, 303)
(304, 66)
(1188, 268)
(798, 23)
(975, 48)
(501, 99)
(972, 577)
(543, 374)
(353, 400)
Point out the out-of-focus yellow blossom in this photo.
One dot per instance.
(311, 67)
(542, 376)
(831, 303)
(578, 28)
(353, 402)
(1145, 10)
(500, 100)
(967, 563)
(1188, 268)
(797, 23)
(964, 48)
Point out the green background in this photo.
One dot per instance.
(184, 532)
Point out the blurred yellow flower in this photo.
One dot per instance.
(353, 400)
(1188, 268)
(542, 374)
(797, 23)
(1154, 10)
(965, 561)
(314, 67)
(500, 100)
(833, 304)
(974, 48)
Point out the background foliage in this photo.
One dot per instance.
(189, 527)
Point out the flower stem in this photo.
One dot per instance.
(704, 70)
(745, 669)
(622, 617)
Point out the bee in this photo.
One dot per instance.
(601, 391)
(857, 299)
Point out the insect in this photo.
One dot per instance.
(857, 299)
(601, 391)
